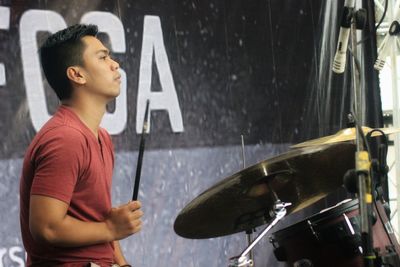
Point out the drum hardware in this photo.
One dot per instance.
(365, 192)
(391, 257)
(303, 263)
(249, 198)
(352, 230)
(322, 236)
(351, 21)
(389, 227)
(378, 170)
(243, 200)
(312, 229)
(339, 239)
(279, 209)
(249, 233)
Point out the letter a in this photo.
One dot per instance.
(166, 99)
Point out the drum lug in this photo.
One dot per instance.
(310, 224)
(272, 241)
(389, 228)
(390, 258)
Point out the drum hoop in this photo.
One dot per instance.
(314, 220)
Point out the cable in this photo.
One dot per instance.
(386, 144)
(357, 124)
(383, 15)
(359, 129)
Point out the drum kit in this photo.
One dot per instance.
(264, 193)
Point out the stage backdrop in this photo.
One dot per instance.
(213, 70)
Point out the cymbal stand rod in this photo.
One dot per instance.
(243, 260)
(249, 233)
(243, 155)
(249, 241)
(362, 157)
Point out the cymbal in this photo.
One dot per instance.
(347, 134)
(243, 201)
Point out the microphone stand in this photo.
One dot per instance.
(249, 232)
(362, 158)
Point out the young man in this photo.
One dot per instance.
(65, 189)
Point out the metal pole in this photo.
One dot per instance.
(396, 118)
(249, 232)
(362, 157)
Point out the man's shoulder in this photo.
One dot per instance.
(64, 131)
(59, 133)
(62, 125)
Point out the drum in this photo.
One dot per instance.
(332, 238)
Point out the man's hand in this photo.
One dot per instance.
(125, 220)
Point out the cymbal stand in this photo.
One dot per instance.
(243, 260)
(362, 158)
(249, 232)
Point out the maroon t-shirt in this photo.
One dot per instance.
(65, 161)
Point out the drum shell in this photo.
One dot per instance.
(326, 239)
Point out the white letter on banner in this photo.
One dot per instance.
(110, 24)
(167, 99)
(33, 21)
(14, 255)
(4, 25)
(3, 252)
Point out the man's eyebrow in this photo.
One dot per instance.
(106, 51)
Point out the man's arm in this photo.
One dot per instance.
(118, 255)
(49, 223)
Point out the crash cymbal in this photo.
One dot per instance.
(244, 200)
(347, 134)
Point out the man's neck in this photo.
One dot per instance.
(89, 111)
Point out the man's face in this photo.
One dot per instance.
(100, 71)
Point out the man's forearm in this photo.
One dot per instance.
(71, 232)
(50, 223)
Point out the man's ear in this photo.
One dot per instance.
(75, 75)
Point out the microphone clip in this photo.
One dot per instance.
(394, 28)
(359, 16)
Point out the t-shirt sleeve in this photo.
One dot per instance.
(59, 162)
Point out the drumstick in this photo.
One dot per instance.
(141, 152)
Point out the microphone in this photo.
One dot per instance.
(389, 41)
(386, 45)
(339, 61)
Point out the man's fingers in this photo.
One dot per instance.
(137, 226)
(137, 214)
(134, 205)
(137, 229)
(131, 206)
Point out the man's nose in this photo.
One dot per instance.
(114, 65)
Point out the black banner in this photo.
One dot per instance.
(212, 70)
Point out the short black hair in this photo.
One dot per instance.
(62, 50)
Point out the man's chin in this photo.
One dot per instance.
(112, 95)
(115, 93)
